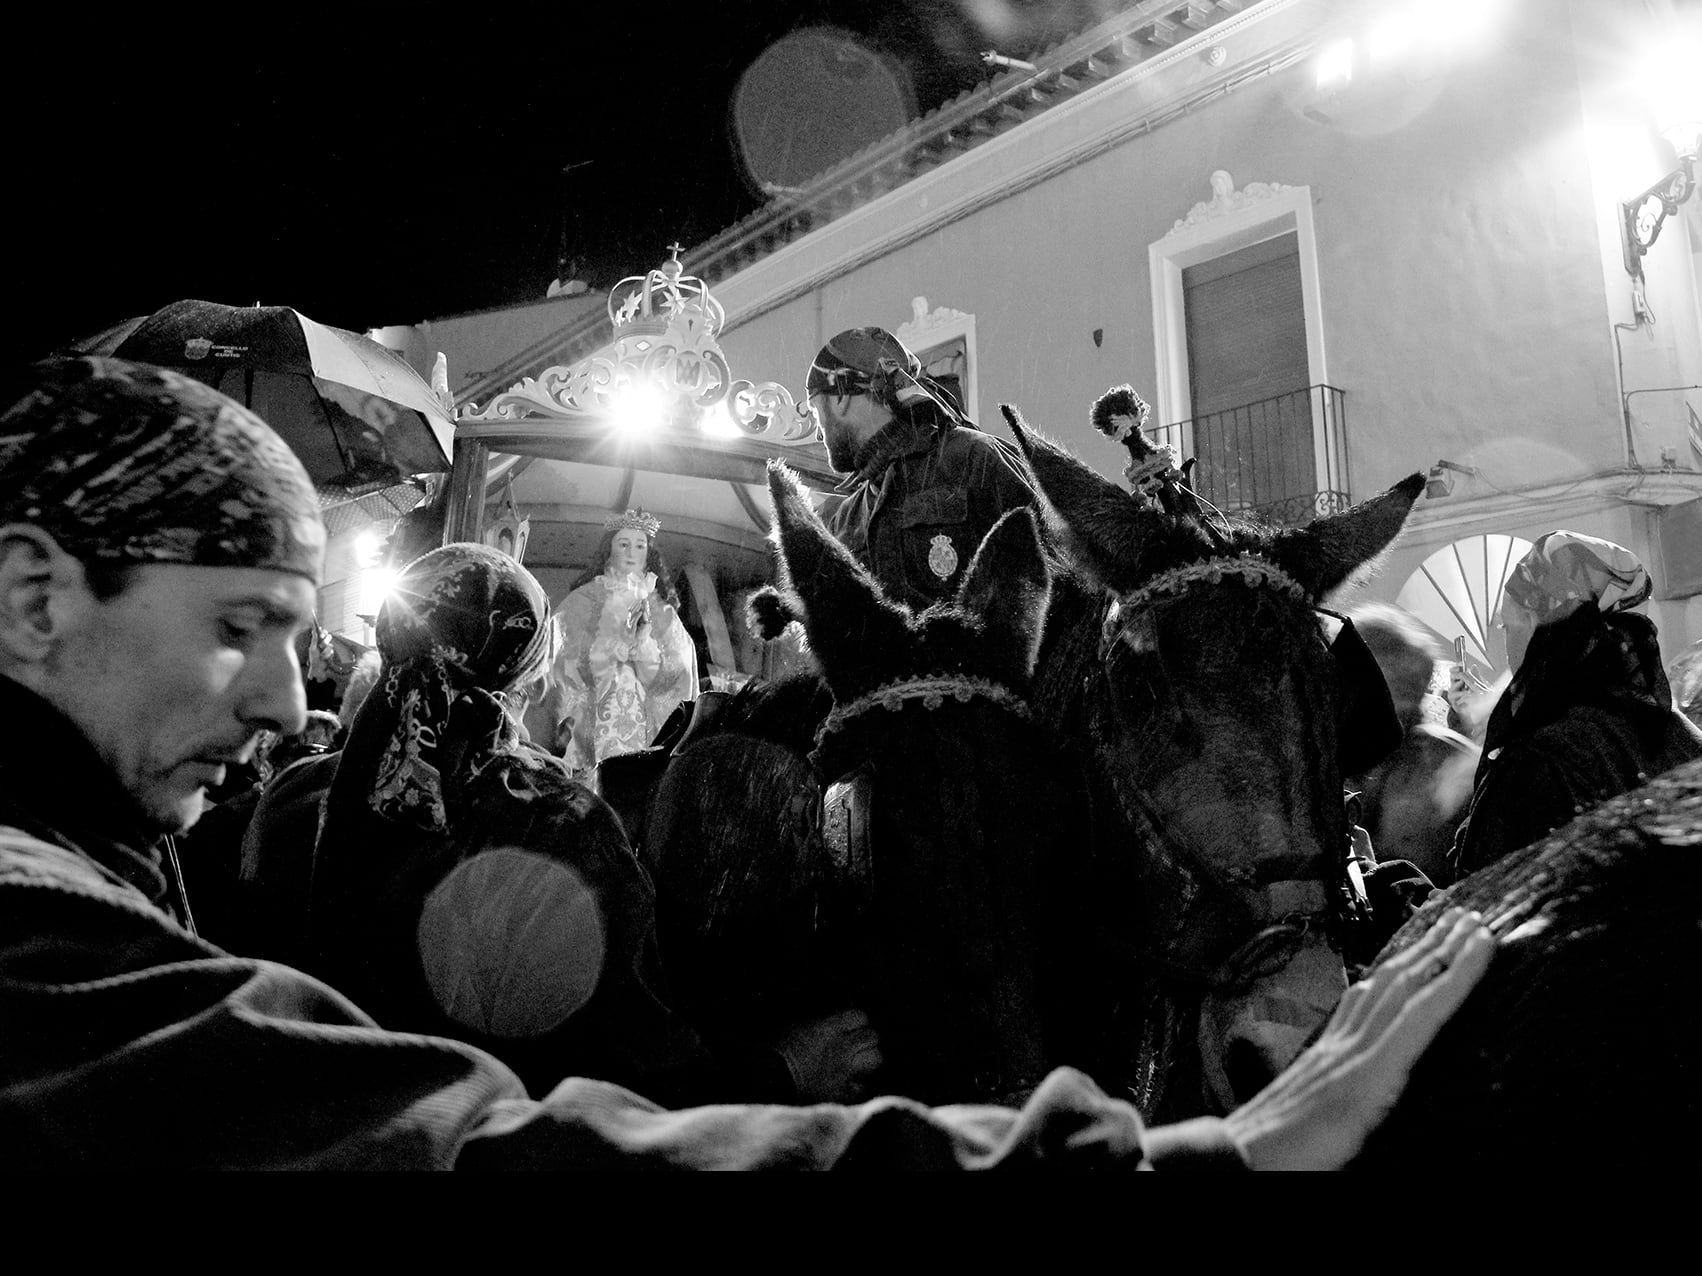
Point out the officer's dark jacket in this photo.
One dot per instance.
(919, 507)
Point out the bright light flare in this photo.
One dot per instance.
(1394, 38)
(1335, 64)
(718, 422)
(369, 544)
(638, 410)
(377, 584)
(1421, 33)
(1671, 82)
(1458, 19)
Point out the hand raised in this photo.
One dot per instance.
(1316, 1114)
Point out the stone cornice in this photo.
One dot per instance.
(1648, 488)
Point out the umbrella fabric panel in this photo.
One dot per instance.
(361, 363)
(369, 425)
(353, 411)
(199, 334)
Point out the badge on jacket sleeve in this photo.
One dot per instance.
(942, 557)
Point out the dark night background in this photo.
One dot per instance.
(385, 163)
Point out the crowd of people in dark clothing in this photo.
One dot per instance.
(413, 917)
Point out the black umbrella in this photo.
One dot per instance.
(355, 413)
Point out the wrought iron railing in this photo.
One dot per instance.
(1283, 459)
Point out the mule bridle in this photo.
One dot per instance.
(933, 690)
(1289, 909)
(1256, 573)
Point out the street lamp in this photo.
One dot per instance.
(1672, 82)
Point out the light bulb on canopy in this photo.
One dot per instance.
(638, 408)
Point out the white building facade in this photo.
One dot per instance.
(1333, 241)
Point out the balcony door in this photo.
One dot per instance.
(1238, 333)
(1245, 319)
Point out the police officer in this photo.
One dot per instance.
(925, 485)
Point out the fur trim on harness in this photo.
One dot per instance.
(1255, 572)
(932, 691)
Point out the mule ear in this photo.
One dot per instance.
(849, 622)
(1327, 551)
(1007, 588)
(1103, 529)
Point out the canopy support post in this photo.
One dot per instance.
(465, 518)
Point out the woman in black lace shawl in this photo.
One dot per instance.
(1589, 711)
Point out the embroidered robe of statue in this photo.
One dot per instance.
(624, 663)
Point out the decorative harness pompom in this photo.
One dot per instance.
(1120, 414)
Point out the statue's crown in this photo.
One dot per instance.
(636, 519)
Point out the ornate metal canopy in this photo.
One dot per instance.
(658, 407)
(665, 324)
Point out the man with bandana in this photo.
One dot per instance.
(924, 485)
(159, 548)
(162, 552)
(1589, 712)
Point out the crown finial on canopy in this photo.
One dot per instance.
(644, 305)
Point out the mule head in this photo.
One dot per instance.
(1213, 720)
(863, 640)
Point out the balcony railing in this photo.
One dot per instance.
(1282, 459)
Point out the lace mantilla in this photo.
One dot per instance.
(931, 691)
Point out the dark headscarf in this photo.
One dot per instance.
(126, 463)
(443, 897)
(873, 361)
(464, 624)
(1610, 660)
(1588, 647)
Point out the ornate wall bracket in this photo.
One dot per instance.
(1641, 218)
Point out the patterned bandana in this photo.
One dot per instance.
(854, 359)
(1564, 570)
(127, 463)
(464, 624)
